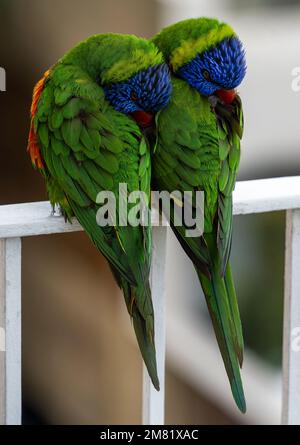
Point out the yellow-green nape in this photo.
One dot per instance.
(138, 60)
(114, 57)
(181, 42)
(139, 54)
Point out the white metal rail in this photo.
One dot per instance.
(31, 219)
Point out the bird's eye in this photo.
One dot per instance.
(206, 75)
(134, 96)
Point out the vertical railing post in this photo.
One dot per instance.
(10, 331)
(154, 401)
(291, 331)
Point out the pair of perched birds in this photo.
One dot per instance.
(163, 114)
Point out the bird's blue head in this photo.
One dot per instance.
(143, 94)
(218, 70)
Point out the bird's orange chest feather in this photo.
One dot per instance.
(33, 146)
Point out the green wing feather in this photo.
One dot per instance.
(230, 130)
(88, 147)
(196, 150)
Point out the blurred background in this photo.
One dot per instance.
(80, 361)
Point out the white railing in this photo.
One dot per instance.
(31, 219)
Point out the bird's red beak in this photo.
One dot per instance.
(142, 118)
(227, 96)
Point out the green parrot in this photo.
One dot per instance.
(198, 149)
(89, 114)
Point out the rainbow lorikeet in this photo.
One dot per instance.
(198, 149)
(87, 118)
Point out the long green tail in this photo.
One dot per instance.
(235, 313)
(226, 321)
(143, 325)
(137, 299)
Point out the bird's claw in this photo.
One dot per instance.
(57, 211)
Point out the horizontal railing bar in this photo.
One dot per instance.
(32, 218)
(256, 196)
(266, 195)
